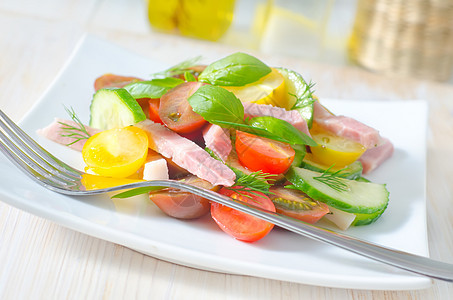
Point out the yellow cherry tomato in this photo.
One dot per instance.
(117, 152)
(334, 150)
(268, 90)
(93, 182)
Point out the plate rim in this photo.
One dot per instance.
(83, 226)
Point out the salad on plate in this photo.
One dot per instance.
(236, 126)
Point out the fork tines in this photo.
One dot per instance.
(31, 158)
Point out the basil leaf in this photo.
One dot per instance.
(283, 129)
(214, 103)
(154, 88)
(189, 76)
(137, 191)
(178, 69)
(237, 69)
(252, 130)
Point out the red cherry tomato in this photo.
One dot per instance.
(296, 204)
(183, 205)
(154, 110)
(176, 112)
(112, 80)
(258, 153)
(240, 225)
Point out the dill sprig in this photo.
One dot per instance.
(253, 183)
(178, 69)
(334, 180)
(305, 98)
(78, 132)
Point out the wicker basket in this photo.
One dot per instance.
(409, 38)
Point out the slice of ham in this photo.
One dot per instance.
(55, 132)
(372, 158)
(218, 140)
(187, 154)
(346, 127)
(291, 116)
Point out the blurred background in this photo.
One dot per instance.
(400, 38)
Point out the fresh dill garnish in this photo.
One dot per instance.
(178, 69)
(78, 132)
(253, 183)
(334, 180)
(305, 98)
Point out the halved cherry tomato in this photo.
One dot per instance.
(112, 80)
(117, 152)
(296, 204)
(154, 110)
(333, 149)
(240, 225)
(259, 153)
(183, 205)
(176, 112)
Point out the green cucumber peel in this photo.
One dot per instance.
(352, 196)
(114, 107)
(301, 91)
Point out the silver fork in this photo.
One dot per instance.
(57, 176)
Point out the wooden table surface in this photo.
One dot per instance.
(42, 260)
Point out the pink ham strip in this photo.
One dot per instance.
(187, 154)
(372, 158)
(290, 116)
(218, 140)
(55, 132)
(346, 127)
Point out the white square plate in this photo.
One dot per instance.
(282, 255)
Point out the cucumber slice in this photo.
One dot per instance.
(300, 154)
(113, 108)
(365, 219)
(362, 179)
(296, 87)
(352, 171)
(357, 197)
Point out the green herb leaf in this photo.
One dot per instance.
(334, 180)
(237, 69)
(252, 130)
(214, 104)
(178, 69)
(221, 107)
(78, 132)
(283, 129)
(189, 76)
(154, 88)
(256, 181)
(137, 191)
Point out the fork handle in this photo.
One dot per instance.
(400, 259)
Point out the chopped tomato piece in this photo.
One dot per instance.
(240, 225)
(112, 80)
(334, 150)
(258, 153)
(117, 152)
(154, 110)
(183, 205)
(298, 205)
(176, 112)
